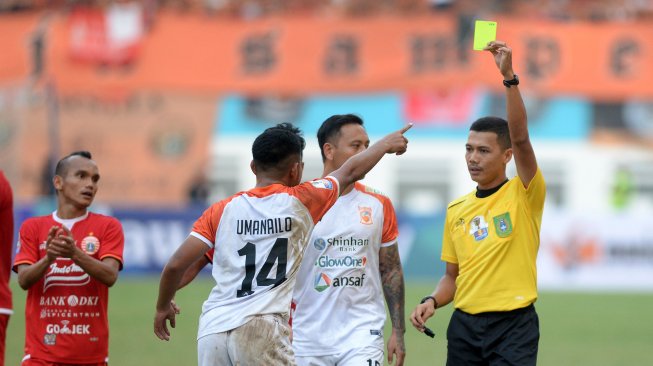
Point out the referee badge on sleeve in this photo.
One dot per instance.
(503, 225)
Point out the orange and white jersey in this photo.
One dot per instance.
(259, 237)
(338, 298)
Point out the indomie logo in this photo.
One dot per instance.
(66, 275)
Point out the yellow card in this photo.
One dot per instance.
(484, 32)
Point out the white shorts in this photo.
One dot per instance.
(264, 340)
(365, 356)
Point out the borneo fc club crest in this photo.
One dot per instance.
(366, 215)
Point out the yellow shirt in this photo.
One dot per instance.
(494, 240)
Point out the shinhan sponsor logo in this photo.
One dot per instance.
(325, 261)
(347, 244)
(319, 244)
(323, 282)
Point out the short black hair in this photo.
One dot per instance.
(496, 125)
(62, 165)
(275, 145)
(330, 128)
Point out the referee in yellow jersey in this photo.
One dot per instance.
(490, 242)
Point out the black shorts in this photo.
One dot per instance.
(493, 338)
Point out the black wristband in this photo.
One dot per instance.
(427, 298)
(514, 81)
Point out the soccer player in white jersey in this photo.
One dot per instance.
(350, 263)
(259, 237)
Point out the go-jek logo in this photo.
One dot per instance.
(323, 282)
(325, 261)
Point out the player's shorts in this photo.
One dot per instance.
(493, 338)
(4, 321)
(264, 340)
(364, 356)
(27, 361)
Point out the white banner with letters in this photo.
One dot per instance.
(596, 251)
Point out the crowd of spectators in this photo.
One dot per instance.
(557, 10)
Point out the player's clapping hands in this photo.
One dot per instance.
(60, 243)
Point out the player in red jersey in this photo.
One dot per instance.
(6, 239)
(67, 261)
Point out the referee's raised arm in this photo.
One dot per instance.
(516, 113)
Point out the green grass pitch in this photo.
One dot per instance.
(576, 329)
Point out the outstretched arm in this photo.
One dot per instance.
(360, 164)
(516, 113)
(392, 277)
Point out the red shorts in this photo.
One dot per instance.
(4, 320)
(36, 362)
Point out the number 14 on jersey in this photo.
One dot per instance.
(278, 254)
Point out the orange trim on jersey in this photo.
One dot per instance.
(15, 267)
(261, 192)
(317, 200)
(209, 255)
(114, 257)
(390, 229)
(326, 197)
(207, 224)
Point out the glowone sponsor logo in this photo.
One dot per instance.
(325, 261)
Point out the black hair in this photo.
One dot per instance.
(496, 125)
(62, 165)
(275, 145)
(330, 128)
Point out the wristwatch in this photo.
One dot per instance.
(514, 81)
(427, 298)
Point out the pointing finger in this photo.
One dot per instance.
(406, 128)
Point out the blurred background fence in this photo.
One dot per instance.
(168, 96)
